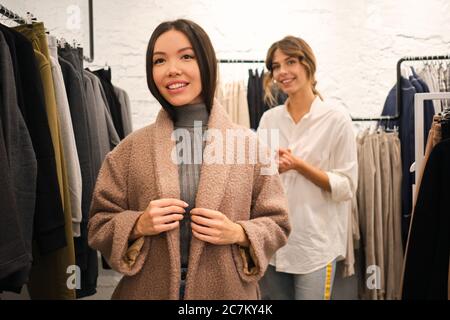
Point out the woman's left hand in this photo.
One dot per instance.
(215, 227)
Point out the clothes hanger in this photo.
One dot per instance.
(29, 18)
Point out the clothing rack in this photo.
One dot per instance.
(91, 32)
(240, 61)
(11, 15)
(15, 17)
(399, 86)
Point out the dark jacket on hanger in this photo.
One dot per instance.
(19, 148)
(92, 125)
(251, 98)
(75, 58)
(15, 261)
(86, 258)
(18, 170)
(79, 113)
(255, 97)
(427, 257)
(113, 101)
(406, 135)
(49, 222)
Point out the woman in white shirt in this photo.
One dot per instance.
(318, 167)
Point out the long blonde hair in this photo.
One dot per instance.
(293, 47)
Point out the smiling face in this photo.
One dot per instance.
(176, 72)
(289, 73)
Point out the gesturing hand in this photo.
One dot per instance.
(214, 227)
(160, 216)
(287, 161)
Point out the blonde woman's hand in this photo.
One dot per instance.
(215, 227)
(160, 216)
(287, 161)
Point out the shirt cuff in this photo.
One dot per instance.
(340, 187)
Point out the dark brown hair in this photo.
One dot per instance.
(293, 47)
(206, 59)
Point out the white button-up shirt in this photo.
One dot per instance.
(325, 139)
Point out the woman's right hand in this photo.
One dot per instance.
(160, 216)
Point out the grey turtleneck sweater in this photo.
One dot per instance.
(190, 157)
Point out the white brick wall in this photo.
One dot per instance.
(357, 42)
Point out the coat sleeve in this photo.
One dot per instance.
(268, 227)
(111, 222)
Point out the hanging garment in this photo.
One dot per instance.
(396, 219)
(15, 261)
(67, 139)
(36, 34)
(85, 256)
(125, 107)
(108, 137)
(407, 142)
(427, 255)
(233, 97)
(78, 112)
(255, 97)
(375, 198)
(92, 123)
(81, 98)
(434, 137)
(48, 278)
(113, 102)
(48, 229)
(429, 76)
(379, 206)
(75, 58)
(390, 170)
(445, 129)
(19, 174)
(251, 99)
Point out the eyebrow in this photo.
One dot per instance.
(181, 50)
(276, 62)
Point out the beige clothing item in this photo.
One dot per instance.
(378, 215)
(233, 97)
(396, 177)
(69, 147)
(379, 206)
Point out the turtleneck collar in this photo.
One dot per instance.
(186, 115)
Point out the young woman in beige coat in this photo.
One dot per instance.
(177, 229)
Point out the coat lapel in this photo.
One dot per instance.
(211, 188)
(168, 185)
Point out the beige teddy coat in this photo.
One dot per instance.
(140, 170)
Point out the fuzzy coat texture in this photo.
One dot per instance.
(140, 170)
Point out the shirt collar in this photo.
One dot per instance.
(315, 110)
